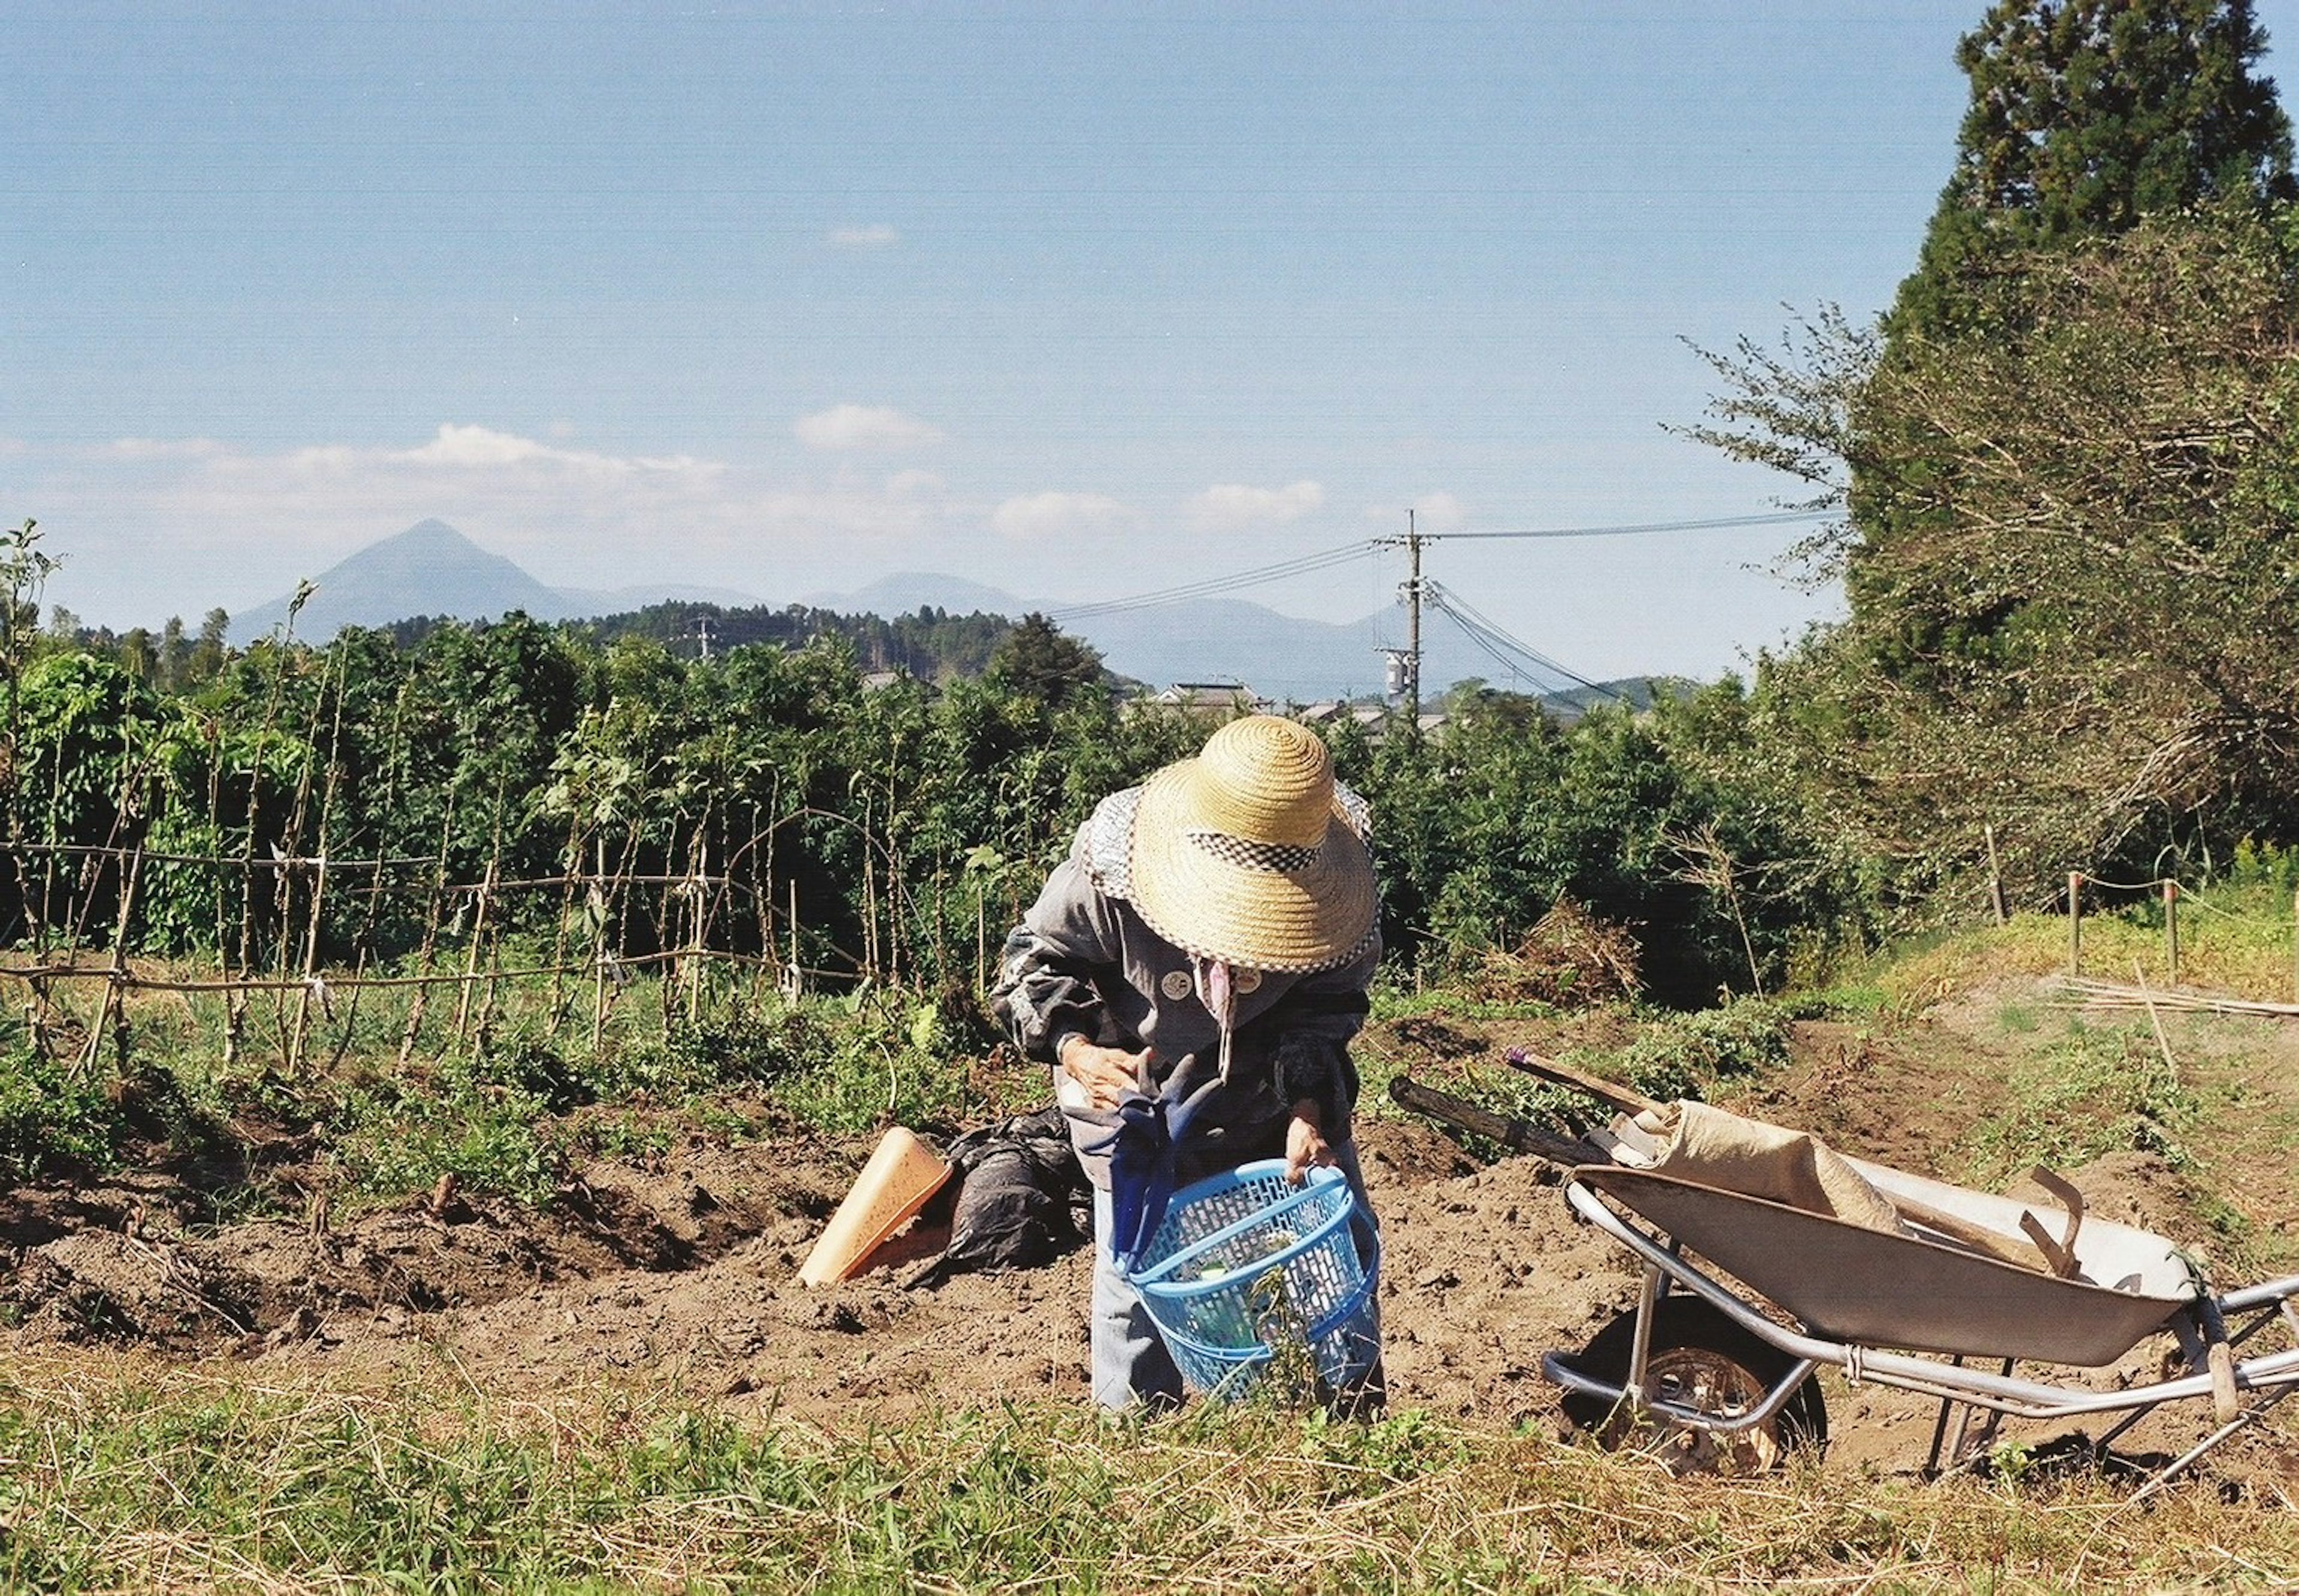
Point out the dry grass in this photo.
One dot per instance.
(172, 1479)
(2237, 950)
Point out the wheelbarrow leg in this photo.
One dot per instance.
(2210, 1443)
(1648, 1294)
(1940, 1427)
(1966, 1446)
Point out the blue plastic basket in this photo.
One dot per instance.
(1245, 1258)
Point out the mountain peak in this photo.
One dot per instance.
(430, 532)
(428, 569)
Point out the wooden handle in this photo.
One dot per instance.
(1604, 1090)
(1514, 1135)
(1995, 1244)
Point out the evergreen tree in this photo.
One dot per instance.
(2086, 116)
(208, 653)
(1038, 659)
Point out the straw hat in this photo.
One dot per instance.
(1244, 853)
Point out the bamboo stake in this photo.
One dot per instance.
(471, 955)
(115, 989)
(573, 853)
(2172, 930)
(425, 960)
(2075, 922)
(796, 978)
(1995, 878)
(319, 887)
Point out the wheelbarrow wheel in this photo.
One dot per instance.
(1699, 1359)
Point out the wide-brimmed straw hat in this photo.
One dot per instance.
(1244, 854)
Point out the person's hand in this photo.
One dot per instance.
(1305, 1143)
(1107, 1073)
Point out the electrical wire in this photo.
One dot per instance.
(1775, 519)
(1211, 586)
(1489, 634)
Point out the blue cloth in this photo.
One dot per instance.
(1145, 1152)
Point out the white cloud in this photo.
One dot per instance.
(155, 527)
(1033, 516)
(876, 236)
(864, 426)
(1432, 512)
(1235, 505)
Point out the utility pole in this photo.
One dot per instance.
(1405, 663)
(1413, 627)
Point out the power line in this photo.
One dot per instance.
(1489, 635)
(1775, 519)
(1326, 560)
(1210, 586)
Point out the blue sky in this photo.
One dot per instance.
(1078, 301)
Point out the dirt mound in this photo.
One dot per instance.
(685, 1267)
(1884, 1101)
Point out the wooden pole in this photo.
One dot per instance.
(472, 958)
(2075, 922)
(2172, 930)
(1995, 878)
(797, 979)
(113, 1005)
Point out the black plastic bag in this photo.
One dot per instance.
(1022, 1198)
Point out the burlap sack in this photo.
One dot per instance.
(1706, 1146)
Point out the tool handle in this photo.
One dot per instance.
(1604, 1090)
(1514, 1135)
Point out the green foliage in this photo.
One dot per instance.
(2099, 1090)
(53, 1120)
(866, 831)
(2088, 116)
(2068, 563)
(1038, 660)
(1688, 1056)
(1482, 831)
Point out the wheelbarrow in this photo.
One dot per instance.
(1744, 1299)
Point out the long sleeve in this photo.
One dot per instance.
(1308, 1032)
(1048, 969)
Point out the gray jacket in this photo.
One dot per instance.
(1084, 962)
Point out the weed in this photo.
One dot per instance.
(52, 1118)
(2019, 1018)
(432, 1484)
(2096, 1090)
(1687, 1055)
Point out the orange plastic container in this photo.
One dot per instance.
(893, 1186)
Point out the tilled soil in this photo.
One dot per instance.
(682, 1269)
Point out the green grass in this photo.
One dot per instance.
(2094, 1090)
(505, 1102)
(201, 1480)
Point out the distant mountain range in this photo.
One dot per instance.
(432, 570)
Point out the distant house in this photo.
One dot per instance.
(1211, 698)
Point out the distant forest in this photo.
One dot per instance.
(930, 643)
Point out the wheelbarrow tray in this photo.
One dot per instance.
(1872, 1288)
